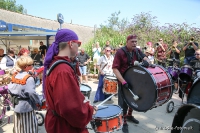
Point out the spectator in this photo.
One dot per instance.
(96, 55)
(1, 53)
(8, 61)
(43, 49)
(24, 52)
(36, 57)
(22, 90)
(107, 45)
(189, 49)
(151, 52)
(83, 61)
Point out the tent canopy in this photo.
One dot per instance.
(25, 35)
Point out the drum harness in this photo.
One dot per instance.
(72, 65)
(15, 98)
(131, 55)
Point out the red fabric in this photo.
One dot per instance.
(121, 62)
(160, 53)
(63, 95)
(40, 70)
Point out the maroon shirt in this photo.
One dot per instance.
(121, 61)
(160, 53)
(64, 96)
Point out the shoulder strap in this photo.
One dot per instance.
(129, 62)
(56, 63)
(20, 81)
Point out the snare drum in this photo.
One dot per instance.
(186, 73)
(108, 119)
(153, 86)
(174, 72)
(85, 90)
(110, 85)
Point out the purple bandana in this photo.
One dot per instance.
(63, 35)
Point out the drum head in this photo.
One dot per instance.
(194, 93)
(85, 88)
(108, 111)
(143, 86)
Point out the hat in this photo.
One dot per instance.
(131, 37)
(149, 43)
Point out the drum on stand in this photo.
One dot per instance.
(110, 85)
(85, 90)
(174, 72)
(153, 86)
(187, 119)
(108, 119)
(186, 73)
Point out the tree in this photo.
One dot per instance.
(12, 6)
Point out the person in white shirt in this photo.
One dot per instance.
(8, 61)
(151, 51)
(96, 55)
(104, 66)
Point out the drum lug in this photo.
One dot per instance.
(98, 123)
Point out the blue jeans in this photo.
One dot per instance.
(100, 96)
(83, 69)
(188, 59)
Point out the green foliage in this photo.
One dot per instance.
(146, 27)
(12, 6)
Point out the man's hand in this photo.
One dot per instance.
(125, 86)
(145, 63)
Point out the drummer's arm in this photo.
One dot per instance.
(118, 75)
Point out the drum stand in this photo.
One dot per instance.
(170, 105)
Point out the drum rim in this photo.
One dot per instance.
(112, 77)
(113, 116)
(193, 84)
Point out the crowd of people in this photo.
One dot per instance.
(64, 70)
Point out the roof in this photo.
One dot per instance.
(26, 35)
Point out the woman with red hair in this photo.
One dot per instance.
(24, 52)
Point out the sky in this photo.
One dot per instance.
(96, 12)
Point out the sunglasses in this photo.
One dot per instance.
(196, 54)
(75, 41)
(134, 41)
(160, 40)
(108, 50)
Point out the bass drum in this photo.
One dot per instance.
(187, 119)
(194, 93)
(153, 86)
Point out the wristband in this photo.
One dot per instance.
(124, 82)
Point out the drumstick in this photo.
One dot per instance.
(135, 97)
(105, 100)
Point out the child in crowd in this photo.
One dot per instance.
(24, 97)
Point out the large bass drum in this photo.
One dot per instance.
(187, 119)
(153, 86)
(194, 93)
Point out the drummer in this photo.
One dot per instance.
(104, 67)
(120, 65)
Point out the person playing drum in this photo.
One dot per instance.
(104, 66)
(67, 111)
(120, 65)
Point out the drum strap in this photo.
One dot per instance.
(129, 56)
(59, 62)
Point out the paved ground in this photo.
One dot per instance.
(149, 121)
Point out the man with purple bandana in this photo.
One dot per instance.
(67, 110)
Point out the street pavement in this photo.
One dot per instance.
(150, 121)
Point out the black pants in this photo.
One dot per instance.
(121, 101)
